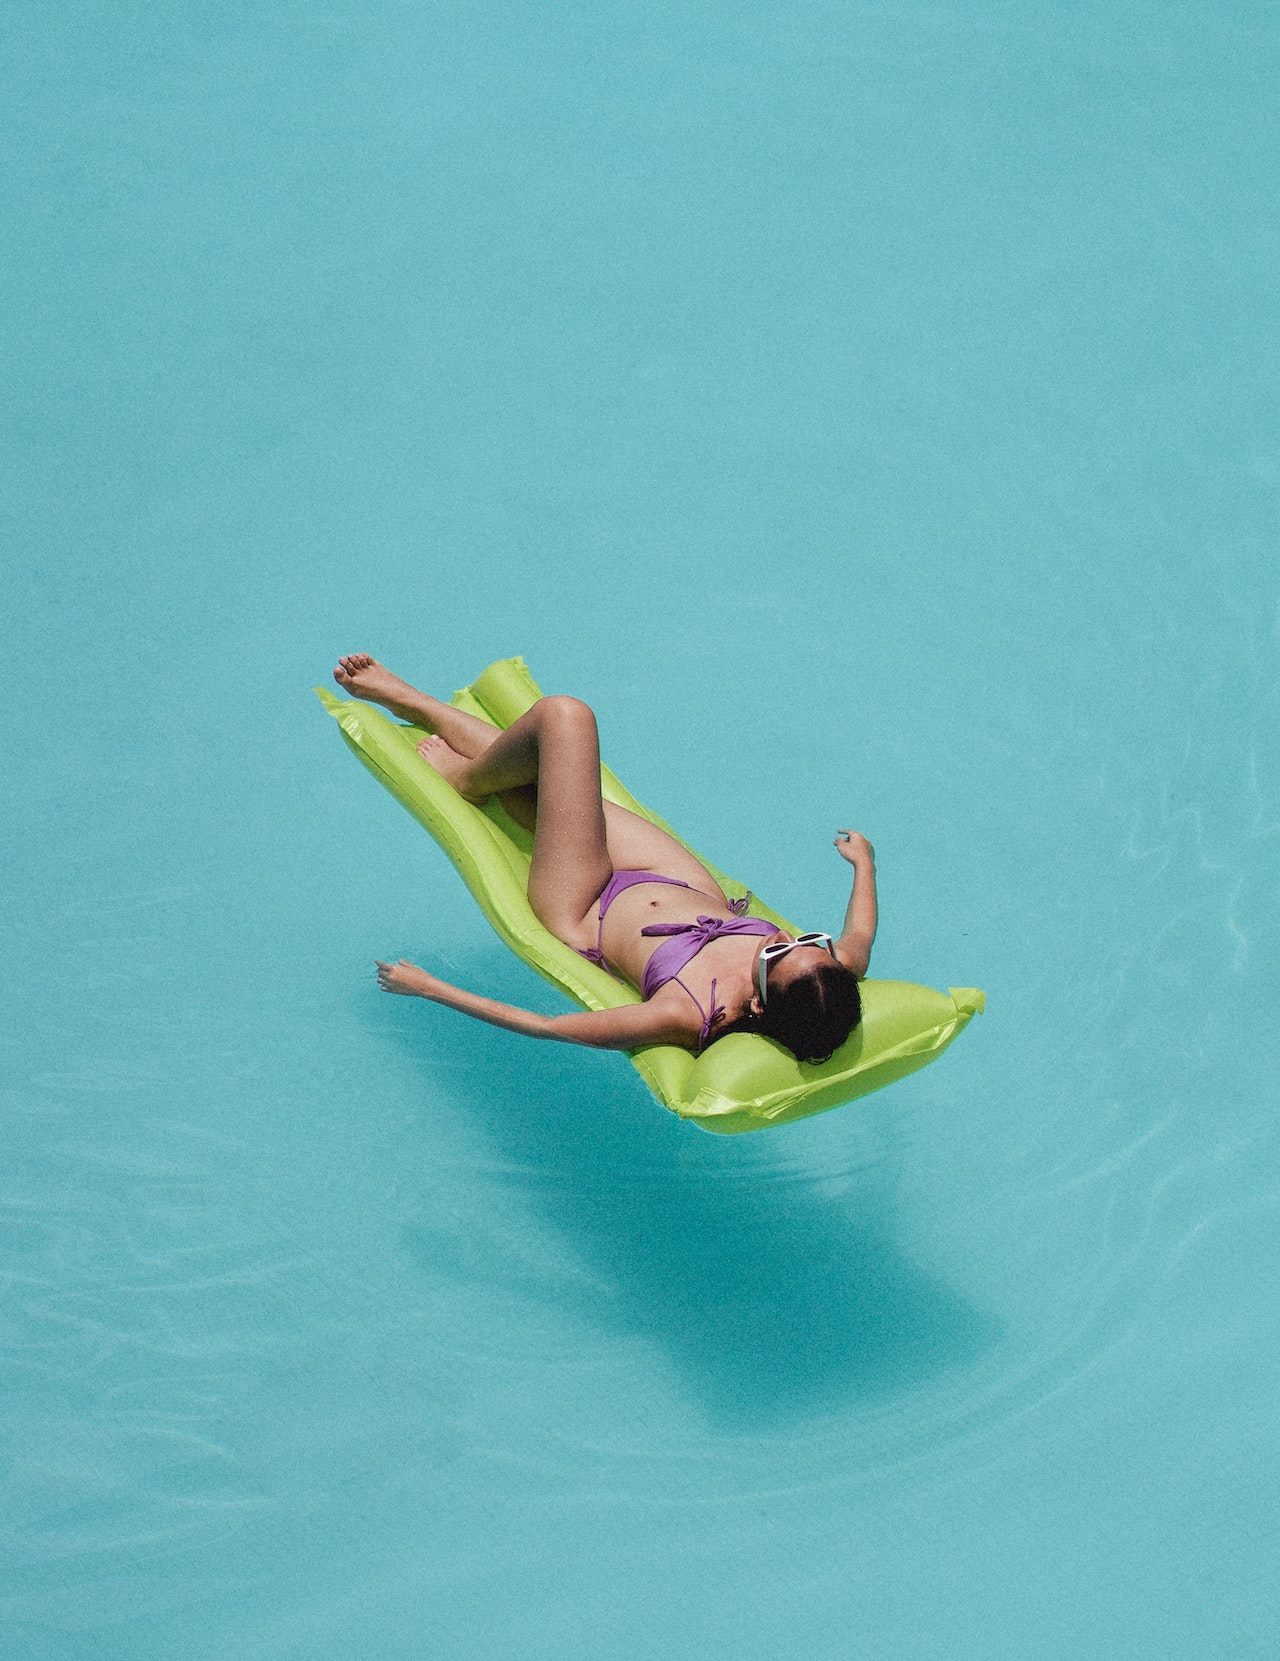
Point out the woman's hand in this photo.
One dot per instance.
(853, 846)
(406, 979)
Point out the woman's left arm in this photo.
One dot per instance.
(862, 915)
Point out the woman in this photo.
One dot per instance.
(627, 895)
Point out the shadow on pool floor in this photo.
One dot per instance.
(769, 1298)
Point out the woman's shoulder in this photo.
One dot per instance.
(673, 1004)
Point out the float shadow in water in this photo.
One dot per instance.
(770, 1294)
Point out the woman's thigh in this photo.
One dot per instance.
(637, 845)
(571, 861)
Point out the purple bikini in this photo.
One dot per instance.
(687, 940)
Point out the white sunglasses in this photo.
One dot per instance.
(780, 948)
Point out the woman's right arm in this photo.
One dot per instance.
(626, 1028)
(860, 919)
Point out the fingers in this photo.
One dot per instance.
(401, 976)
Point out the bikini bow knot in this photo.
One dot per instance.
(708, 927)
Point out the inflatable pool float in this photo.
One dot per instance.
(743, 1082)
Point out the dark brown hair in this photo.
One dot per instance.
(812, 1016)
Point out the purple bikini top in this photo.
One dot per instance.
(687, 940)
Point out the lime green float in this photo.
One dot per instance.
(742, 1082)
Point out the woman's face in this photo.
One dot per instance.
(782, 970)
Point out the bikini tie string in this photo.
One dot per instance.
(708, 927)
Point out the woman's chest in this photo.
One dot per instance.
(672, 914)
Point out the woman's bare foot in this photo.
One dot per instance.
(449, 764)
(467, 736)
(364, 677)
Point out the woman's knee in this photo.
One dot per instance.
(567, 711)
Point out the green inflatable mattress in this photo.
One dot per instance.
(743, 1082)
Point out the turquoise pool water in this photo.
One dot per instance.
(871, 410)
